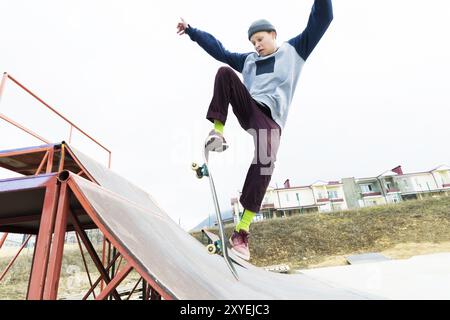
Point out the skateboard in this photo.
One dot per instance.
(218, 246)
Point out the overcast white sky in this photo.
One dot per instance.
(373, 95)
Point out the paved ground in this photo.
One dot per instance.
(420, 277)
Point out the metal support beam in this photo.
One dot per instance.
(102, 283)
(40, 261)
(13, 153)
(7, 119)
(62, 159)
(38, 171)
(134, 289)
(51, 152)
(14, 258)
(144, 290)
(115, 282)
(54, 268)
(2, 84)
(87, 243)
(155, 295)
(84, 262)
(2, 241)
(32, 266)
(98, 280)
(118, 265)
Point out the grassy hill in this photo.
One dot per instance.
(319, 239)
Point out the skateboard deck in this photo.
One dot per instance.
(205, 171)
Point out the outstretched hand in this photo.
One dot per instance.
(182, 26)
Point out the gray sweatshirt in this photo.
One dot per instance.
(272, 79)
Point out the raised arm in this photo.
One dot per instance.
(319, 20)
(213, 46)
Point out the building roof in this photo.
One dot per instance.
(388, 173)
(442, 167)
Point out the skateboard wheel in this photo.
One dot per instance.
(194, 166)
(211, 248)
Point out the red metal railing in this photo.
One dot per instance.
(7, 76)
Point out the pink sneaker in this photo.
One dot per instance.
(239, 244)
(216, 142)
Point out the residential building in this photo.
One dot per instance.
(423, 184)
(391, 186)
(329, 196)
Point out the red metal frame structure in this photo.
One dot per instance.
(60, 195)
(42, 166)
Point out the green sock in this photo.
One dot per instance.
(246, 219)
(218, 126)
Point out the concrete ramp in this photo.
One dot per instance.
(171, 258)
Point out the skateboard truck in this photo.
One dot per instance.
(201, 171)
(215, 247)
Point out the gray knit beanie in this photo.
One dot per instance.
(260, 25)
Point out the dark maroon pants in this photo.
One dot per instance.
(256, 120)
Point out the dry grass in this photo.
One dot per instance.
(73, 281)
(318, 239)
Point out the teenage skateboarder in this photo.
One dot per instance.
(261, 103)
